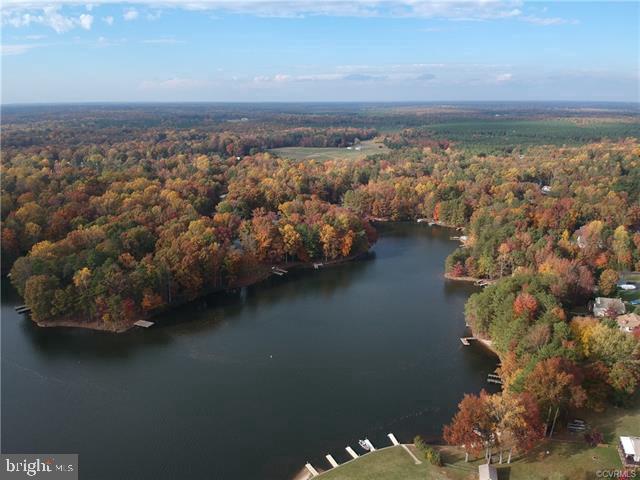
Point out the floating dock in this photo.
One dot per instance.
(465, 340)
(278, 271)
(312, 470)
(143, 323)
(332, 461)
(351, 452)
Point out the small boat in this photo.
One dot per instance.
(364, 444)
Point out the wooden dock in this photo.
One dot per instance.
(493, 378)
(22, 309)
(465, 340)
(278, 271)
(143, 323)
(350, 451)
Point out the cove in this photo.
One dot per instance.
(251, 385)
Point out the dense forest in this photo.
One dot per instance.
(105, 222)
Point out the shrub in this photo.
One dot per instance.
(430, 454)
(433, 456)
(420, 444)
(593, 438)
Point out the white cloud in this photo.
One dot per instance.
(85, 21)
(130, 14)
(108, 20)
(547, 21)
(504, 77)
(49, 16)
(154, 15)
(107, 42)
(17, 49)
(460, 10)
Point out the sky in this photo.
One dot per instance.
(367, 50)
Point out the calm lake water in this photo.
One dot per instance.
(251, 385)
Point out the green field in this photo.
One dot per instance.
(496, 135)
(368, 147)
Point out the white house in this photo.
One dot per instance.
(604, 307)
(630, 449)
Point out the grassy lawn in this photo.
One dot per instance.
(553, 460)
(567, 457)
(388, 464)
(322, 154)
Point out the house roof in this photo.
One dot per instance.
(629, 322)
(631, 445)
(487, 472)
(603, 303)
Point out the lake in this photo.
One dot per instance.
(252, 385)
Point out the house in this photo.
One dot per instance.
(608, 307)
(487, 471)
(629, 322)
(629, 449)
(580, 237)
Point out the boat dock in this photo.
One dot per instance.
(368, 447)
(465, 340)
(493, 378)
(143, 323)
(22, 309)
(278, 271)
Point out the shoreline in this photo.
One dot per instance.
(255, 278)
(487, 281)
(486, 344)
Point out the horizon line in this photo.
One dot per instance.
(294, 102)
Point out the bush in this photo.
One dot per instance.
(430, 454)
(433, 456)
(593, 438)
(420, 444)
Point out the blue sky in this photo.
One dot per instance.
(368, 50)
